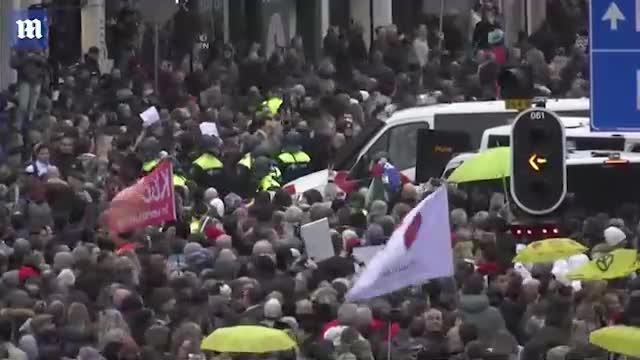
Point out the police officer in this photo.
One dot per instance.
(207, 170)
(242, 184)
(150, 151)
(265, 174)
(250, 145)
(293, 161)
(198, 216)
(272, 104)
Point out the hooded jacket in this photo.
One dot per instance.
(475, 309)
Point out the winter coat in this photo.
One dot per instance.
(404, 347)
(37, 214)
(512, 312)
(359, 347)
(475, 309)
(31, 66)
(544, 340)
(631, 314)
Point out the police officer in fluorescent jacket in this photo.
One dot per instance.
(293, 161)
(207, 170)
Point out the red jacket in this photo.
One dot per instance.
(375, 325)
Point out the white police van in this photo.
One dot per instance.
(397, 135)
(579, 137)
(577, 132)
(597, 180)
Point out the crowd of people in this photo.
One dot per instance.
(70, 288)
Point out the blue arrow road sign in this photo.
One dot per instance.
(615, 65)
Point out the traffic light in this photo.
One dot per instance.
(516, 82)
(538, 169)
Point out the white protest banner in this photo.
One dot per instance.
(150, 116)
(209, 128)
(317, 240)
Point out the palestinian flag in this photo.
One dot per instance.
(386, 182)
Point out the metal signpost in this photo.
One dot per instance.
(615, 65)
(157, 12)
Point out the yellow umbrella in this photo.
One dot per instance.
(549, 250)
(617, 339)
(616, 264)
(247, 339)
(491, 164)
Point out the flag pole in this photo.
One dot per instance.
(441, 26)
(156, 55)
(389, 339)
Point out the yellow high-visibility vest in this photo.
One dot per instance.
(179, 180)
(208, 162)
(268, 183)
(296, 157)
(246, 161)
(150, 165)
(194, 225)
(273, 105)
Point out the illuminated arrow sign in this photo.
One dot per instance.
(535, 161)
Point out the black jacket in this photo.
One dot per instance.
(252, 316)
(31, 67)
(546, 339)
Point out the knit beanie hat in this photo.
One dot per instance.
(272, 309)
(66, 278)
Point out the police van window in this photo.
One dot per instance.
(599, 143)
(447, 173)
(498, 141)
(359, 169)
(635, 148)
(475, 124)
(575, 143)
(403, 144)
(382, 144)
(347, 156)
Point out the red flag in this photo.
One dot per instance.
(342, 181)
(150, 201)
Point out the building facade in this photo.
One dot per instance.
(273, 23)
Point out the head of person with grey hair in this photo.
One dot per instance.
(399, 211)
(388, 225)
(374, 235)
(272, 310)
(479, 218)
(458, 218)
(348, 314)
(319, 211)
(263, 247)
(224, 242)
(378, 208)
(293, 215)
